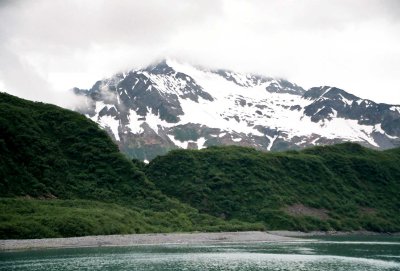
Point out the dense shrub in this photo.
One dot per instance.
(249, 185)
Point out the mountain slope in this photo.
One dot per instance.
(50, 152)
(172, 105)
(341, 187)
(61, 175)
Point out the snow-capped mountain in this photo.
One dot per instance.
(173, 105)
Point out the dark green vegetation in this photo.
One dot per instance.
(51, 159)
(61, 175)
(339, 187)
(33, 218)
(48, 152)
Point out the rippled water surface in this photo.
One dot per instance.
(338, 253)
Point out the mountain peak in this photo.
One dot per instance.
(328, 92)
(171, 104)
(160, 67)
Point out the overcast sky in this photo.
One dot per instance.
(50, 46)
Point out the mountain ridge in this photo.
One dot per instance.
(170, 105)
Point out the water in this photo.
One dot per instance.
(335, 253)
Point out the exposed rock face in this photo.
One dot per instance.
(172, 105)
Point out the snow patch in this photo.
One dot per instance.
(238, 139)
(155, 122)
(346, 101)
(326, 91)
(378, 128)
(135, 125)
(271, 141)
(184, 144)
(334, 113)
(111, 123)
(178, 143)
(200, 143)
(395, 108)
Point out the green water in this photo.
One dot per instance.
(339, 253)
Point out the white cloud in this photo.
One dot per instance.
(49, 46)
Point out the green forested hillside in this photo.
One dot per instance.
(339, 187)
(50, 152)
(61, 175)
(52, 158)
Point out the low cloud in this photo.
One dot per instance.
(49, 46)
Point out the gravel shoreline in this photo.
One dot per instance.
(330, 233)
(145, 239)
(172, 238)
